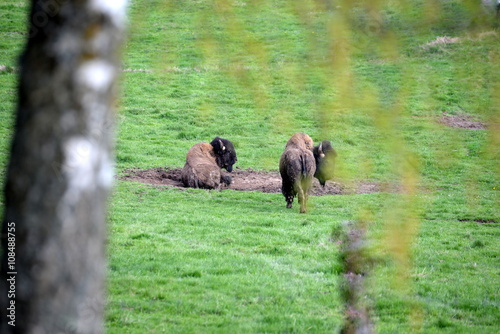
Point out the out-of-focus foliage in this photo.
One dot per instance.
(408, 93)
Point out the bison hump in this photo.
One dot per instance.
(301, 140)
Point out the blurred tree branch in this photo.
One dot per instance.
(61, 168)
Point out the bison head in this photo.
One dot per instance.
(225, 154)
(324, 154)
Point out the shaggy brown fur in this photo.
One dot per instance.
(297, 167)
(204, 162)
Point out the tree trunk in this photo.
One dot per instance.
(61, 169)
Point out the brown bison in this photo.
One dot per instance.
(297, 167)
(325, 155)
(204, 162)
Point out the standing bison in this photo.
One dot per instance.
(204, 162)
(297, 167)
(325, 155)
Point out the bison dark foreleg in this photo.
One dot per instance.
(226, 179)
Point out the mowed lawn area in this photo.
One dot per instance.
(409, 96)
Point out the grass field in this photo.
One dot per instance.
(379, 87)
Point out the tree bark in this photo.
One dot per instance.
(61, 169)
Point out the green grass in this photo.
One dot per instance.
(255, 268)
(193, 261)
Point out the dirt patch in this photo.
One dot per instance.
(461, 121)
(251, 180)
(443, 40)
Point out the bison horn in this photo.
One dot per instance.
(222, 145)
(320, 150)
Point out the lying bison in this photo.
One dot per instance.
(204, 162)
(324, 154)
(297, 167)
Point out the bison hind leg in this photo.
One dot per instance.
(188, 177)
(289, 196)
(289, 193)
(202, 176)
(303, 192)
(302, 201)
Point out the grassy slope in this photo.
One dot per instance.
(194, 261)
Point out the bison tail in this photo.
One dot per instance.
(305, 166)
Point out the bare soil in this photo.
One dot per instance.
(461, 121)
(251, 180)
